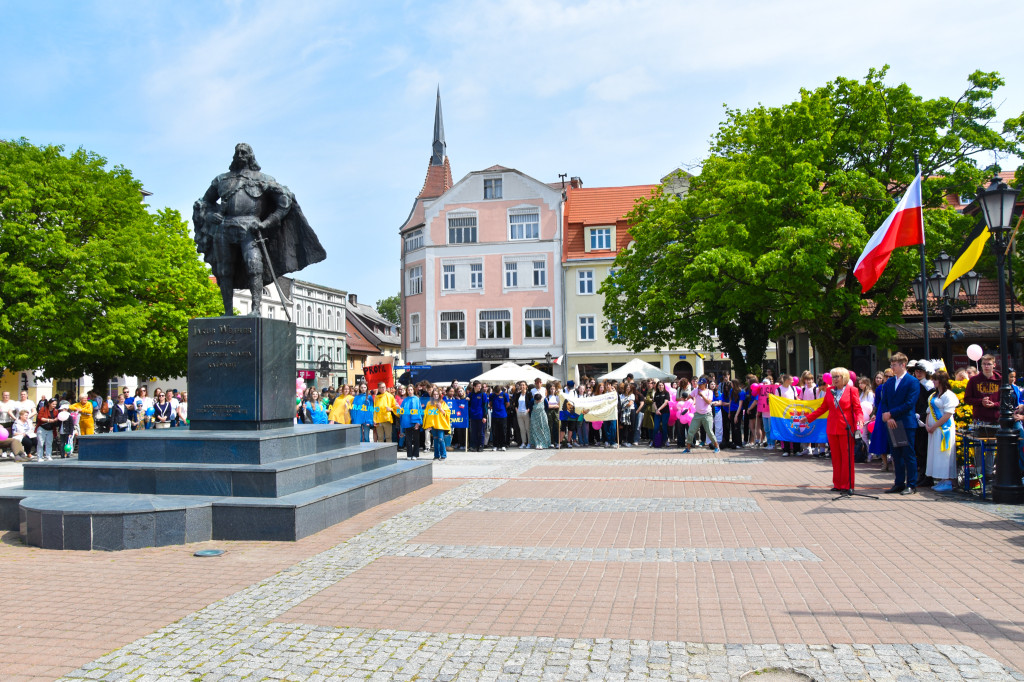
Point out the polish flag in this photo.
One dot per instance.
(903, 227)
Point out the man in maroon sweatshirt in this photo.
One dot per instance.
(982, 391)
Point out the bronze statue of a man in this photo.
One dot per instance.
(251, 230)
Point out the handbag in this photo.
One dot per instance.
(659, 439)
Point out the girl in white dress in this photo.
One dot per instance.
(941, 429)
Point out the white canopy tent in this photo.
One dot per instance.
(639, 369)
(505, 373)
(533, 373)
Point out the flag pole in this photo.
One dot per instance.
(924, 276)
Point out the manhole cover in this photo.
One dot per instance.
(775, 675)
(209, 552)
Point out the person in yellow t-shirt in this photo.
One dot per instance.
(86, 425)
(437, 417)
(384, 408)
(341, 409)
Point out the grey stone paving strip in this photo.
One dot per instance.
(622, 504)
(688, 479)
(235, 638)
(285, 651)
(617, 554)
(649, 462)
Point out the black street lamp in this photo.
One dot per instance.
(997, 202)
(949, 297)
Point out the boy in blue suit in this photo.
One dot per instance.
(896, 400)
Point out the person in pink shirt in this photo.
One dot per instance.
(702, 415)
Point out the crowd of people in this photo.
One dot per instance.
(716, 412)
(48, 427)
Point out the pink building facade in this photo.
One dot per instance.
(481, 272)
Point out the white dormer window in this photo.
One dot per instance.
(492, 188)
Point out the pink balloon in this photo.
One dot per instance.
(3, 434)
(828, 379)
(853, 377)
(597, 425)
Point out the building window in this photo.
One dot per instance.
(319, 352)
(586, 325)
(600, 238)
(540, 275)
(320, 318)
(461, 229)
(585, 282)
(538, 323)
(309, 316)
(414, 328)
(524, 225)
(492, 188)
(298, 313)
(413, 240)
(476, 276)
(495, 324)
(309, 351)
(298, 350)
(511, 275)
(448, 279)
(453, 326)
(414, 285)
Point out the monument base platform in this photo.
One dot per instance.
(148, 491)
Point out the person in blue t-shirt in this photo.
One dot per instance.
(499, 418)
(362, 412)
(411, 422)
(477, 417)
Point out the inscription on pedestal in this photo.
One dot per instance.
(240, 372)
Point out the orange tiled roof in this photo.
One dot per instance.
(358, 344)
(988, 303)
(603, 205)
(437, 182)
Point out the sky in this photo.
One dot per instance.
(337, 98)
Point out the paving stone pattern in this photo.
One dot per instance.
(653, 462)
(618, 554)
(633, 504)
(236, 638)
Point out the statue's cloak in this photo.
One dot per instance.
(291, 245)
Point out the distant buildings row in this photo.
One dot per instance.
(336, 337)
(500, 266)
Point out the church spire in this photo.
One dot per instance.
(437, 159)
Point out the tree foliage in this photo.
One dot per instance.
(90, 281)
(390, 308)
(766, 239)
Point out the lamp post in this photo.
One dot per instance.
(949, 297)
(997, 202)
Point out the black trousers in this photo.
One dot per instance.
(499, 432)
(412, 441)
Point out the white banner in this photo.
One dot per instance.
(595, 408)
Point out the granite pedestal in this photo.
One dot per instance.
(240, 471)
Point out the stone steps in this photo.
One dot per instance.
(116, 521)
(274, 479)
(154, 488)
(215, 447)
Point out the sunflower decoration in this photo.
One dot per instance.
(964, 414)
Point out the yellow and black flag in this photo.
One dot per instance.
(969, 255)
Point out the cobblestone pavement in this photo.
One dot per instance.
(521, 576)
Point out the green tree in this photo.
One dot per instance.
(767, 238)
(91, 282)
(390, 308)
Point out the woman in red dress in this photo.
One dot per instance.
(842, 404)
